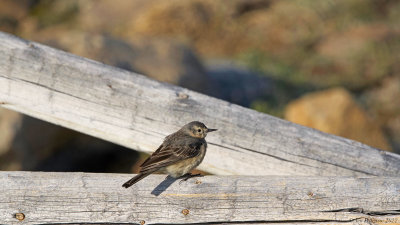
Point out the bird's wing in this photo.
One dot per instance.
(168, 155)
(146, 162)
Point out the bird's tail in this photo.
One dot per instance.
(135, 179)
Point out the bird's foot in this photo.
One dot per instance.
(188, 176)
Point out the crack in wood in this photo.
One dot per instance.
(273, 221)
(58, 91)
(274, 156)
(367, 212)
(242, 222)
(336, 165)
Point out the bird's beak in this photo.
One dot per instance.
(211, 130)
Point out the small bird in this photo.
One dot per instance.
(180, 152)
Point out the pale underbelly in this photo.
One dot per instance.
(185, 166)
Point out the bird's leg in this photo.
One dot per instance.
(188, 176)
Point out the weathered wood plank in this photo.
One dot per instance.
(137, 112)
(99, 198)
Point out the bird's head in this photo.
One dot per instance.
(196, 129)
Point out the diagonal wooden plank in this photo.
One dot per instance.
(137, 112)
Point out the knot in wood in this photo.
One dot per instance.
(19, 216)
(185, 212)
(182, 95)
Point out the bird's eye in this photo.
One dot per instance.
(199, 130)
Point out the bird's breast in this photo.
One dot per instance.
(185, 166)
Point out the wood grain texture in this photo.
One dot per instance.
(46, 198)
(137, 112)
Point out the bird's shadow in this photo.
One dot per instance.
(163, 186)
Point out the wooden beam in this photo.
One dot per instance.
(47, 198)
(137, 112)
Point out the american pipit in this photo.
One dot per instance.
(180, 152)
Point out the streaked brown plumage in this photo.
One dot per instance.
(180, 152)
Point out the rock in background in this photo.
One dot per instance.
(383, 103)
(335, 111)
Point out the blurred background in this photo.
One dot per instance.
(330, 65)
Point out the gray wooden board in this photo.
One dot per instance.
(99, 198)
(137, 112)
